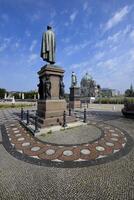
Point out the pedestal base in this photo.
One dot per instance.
(52, 104)
(75, 104)
(74, 97)
(51, 108)
(55, 121)
(50, 113)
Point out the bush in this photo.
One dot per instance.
(113, 100)
(3, 106)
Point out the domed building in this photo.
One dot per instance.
(88, 86)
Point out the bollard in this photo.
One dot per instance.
(69, 111)
(87, 104)
(36, 123)
(22, 113)
(27, 117)
(85, 116)
(64, 119)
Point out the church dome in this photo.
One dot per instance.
(86, 77)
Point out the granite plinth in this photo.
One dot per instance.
(51, 108)
(53, 121)
(74, 97)
(55, 73)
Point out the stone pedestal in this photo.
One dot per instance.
(74, 97)
(51, 104)
(51, 108)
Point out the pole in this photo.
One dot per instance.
(22, 113)
(85, 116)
(69, 111)
(36, 123)
(64, 119)
(27, 117)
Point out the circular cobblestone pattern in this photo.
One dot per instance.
(93, 144)
(76, 135)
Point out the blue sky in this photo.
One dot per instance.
(94, 36)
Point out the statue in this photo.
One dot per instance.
(73, 79)
(47, 85)
(61, 88)
(48, 46)
(40, 89)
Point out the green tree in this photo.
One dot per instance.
(2, 93)
(30, 94)
(129, 92)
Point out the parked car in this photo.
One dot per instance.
(128, 109)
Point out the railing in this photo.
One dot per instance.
(30, 118)
(79, 114)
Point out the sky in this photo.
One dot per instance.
(94, 36)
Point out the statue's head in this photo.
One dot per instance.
(73, 73)
(49, 27)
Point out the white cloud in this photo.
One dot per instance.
(53, 14)
(99, 55)
(73, 16)
(32, 57)
(17, 44)
(63, 12)
(4, 44)
(132, 35)
(74, 48)
(5, 17)
(27, 32)
(35, 16)
(131, 54)
(85, 6)
(66, 24)
(117, 17)
(115, 38)
(108, 64)
(34, 42)
(66, 40)
(79, 65)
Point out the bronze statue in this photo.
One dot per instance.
(47, 85)
(48, 46)
(73, 79)
(61, 88)
(40, 89)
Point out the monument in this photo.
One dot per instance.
(89, 88)
(51, 103)
(74, 97)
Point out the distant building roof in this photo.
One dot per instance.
(86, 77)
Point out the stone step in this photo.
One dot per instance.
(55, 121)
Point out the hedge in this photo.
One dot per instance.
(113, 100)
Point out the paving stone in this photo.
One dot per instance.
(16, 131)
(21, 139)
(99, 148)
(25, 144)
(0, 136)
(50, 151)
(17, 135)
(67, 153)
(35, 148)
(85, 151)
(109, 144)
(114, 139)
(110, 181)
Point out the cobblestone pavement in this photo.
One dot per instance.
(75, 135)
(111, 181)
